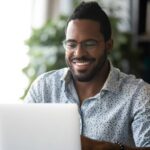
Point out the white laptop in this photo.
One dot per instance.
(39, 127)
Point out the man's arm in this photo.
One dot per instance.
(89, 144)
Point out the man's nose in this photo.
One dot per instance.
(80, 51)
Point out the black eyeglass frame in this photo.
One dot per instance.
(89, 44)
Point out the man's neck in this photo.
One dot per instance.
(91, 88)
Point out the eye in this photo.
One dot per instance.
(71, 45)
(90, 43)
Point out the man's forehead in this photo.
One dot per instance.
(83, 23)
(83, 27)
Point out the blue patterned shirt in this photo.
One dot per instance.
(120, 112)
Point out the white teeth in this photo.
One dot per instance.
(82, 63)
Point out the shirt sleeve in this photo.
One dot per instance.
(141, 116)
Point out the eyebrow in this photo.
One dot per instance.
(72, 40)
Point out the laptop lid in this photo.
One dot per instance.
(39, 127)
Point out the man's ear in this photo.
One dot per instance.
(109, 45)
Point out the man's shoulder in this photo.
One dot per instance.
(46, 84)
(132, 81)
(130, 87)
(50, 77)
(53, 74)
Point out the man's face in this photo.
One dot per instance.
(86, 49)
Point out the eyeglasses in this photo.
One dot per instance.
(87, 45)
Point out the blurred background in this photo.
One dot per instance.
(32, 31)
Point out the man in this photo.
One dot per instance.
(114, 107)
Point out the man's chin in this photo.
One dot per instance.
(82, 77)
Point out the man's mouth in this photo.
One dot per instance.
(82, 60)
(82, 63)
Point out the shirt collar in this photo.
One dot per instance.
(112, 82)
(66, 75)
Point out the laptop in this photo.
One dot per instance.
(39, 127)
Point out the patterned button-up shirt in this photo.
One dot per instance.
(120, 112)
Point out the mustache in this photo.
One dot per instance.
(83, 58)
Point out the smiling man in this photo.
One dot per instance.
(86, 56)
(114, 107)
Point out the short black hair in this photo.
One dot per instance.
(93, 11)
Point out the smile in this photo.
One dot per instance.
(83, 60)
(82, 63)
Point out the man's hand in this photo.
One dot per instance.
(89, 144)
